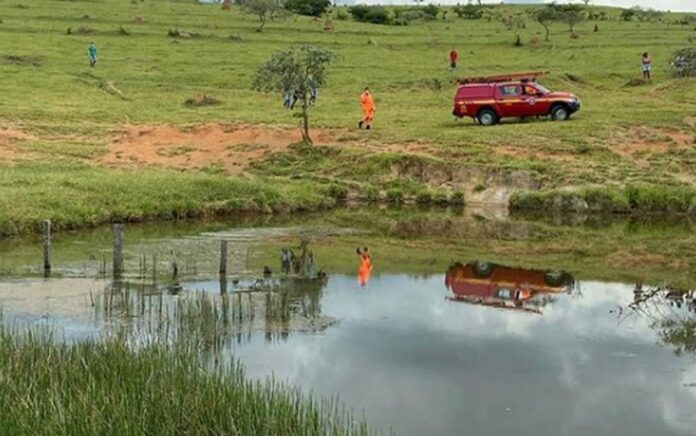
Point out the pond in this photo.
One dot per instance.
(566, 328)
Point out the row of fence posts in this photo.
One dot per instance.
(118, 230)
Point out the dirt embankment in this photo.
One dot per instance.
(232, 148)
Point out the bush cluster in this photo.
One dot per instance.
(312, 8)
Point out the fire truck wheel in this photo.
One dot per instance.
(482, 269)
(555, 278)
(487, 117)
(560, 113)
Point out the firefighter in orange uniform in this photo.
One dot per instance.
(368, 109)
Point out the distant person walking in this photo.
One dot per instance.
(368, 109)
(646, 65)
(92, 54)
(453, 59)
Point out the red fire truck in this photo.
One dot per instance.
(488, 99)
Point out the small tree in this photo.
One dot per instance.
(370, 14)
(545, 16)
(627, 14)
(313, 8)
(295, 71)
(469, 11)
(265, 10)
(571, 15)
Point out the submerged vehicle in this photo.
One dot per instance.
(490, 284)
(489, 99)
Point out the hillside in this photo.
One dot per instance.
(82, 145)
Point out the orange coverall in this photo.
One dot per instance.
(365, 269)
(368, 107)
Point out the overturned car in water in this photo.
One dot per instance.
(491, 284)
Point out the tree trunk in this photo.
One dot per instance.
(263, 23)
(546, 28)
(305, 120)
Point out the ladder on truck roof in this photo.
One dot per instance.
(522, 77)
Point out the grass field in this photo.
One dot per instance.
(60, 120)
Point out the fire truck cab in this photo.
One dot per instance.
(488, 99)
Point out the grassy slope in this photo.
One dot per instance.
(405, 66)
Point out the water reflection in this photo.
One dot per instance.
(212, 315)
(670, 312)
(365, 267)
(493, 285)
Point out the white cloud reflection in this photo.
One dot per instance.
(427, 365)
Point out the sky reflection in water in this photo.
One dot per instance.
(425, 365)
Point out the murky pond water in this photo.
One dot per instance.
(420, 344)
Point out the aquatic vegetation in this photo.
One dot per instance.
(107, 385)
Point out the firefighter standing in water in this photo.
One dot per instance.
(368, 109)
(365, 267)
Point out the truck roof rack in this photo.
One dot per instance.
(523, 77)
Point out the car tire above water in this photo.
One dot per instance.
(482, 269)
(487, 117)
(560, 113)
(555, 278)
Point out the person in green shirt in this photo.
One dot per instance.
(92, 54)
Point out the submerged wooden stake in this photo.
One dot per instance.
(47, 246)
(223, 257)
(118, 248)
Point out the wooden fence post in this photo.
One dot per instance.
(47, 246)
(118, 248)
(223, 257)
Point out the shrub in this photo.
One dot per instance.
(660, 198)
(339, 192)
(684, 62)
(603, 199)
(370, 14)
(468, 11)
(395, 195)
(424, 197)
(312, 8)
(457, 198)
(431, 10)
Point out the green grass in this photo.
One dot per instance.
(638, 198)
(108, 386)
(71, 112)
(79, 196)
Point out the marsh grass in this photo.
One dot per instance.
(111, 386)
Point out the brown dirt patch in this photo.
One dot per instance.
(230, 147)
(642, 141)
(7, 138)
